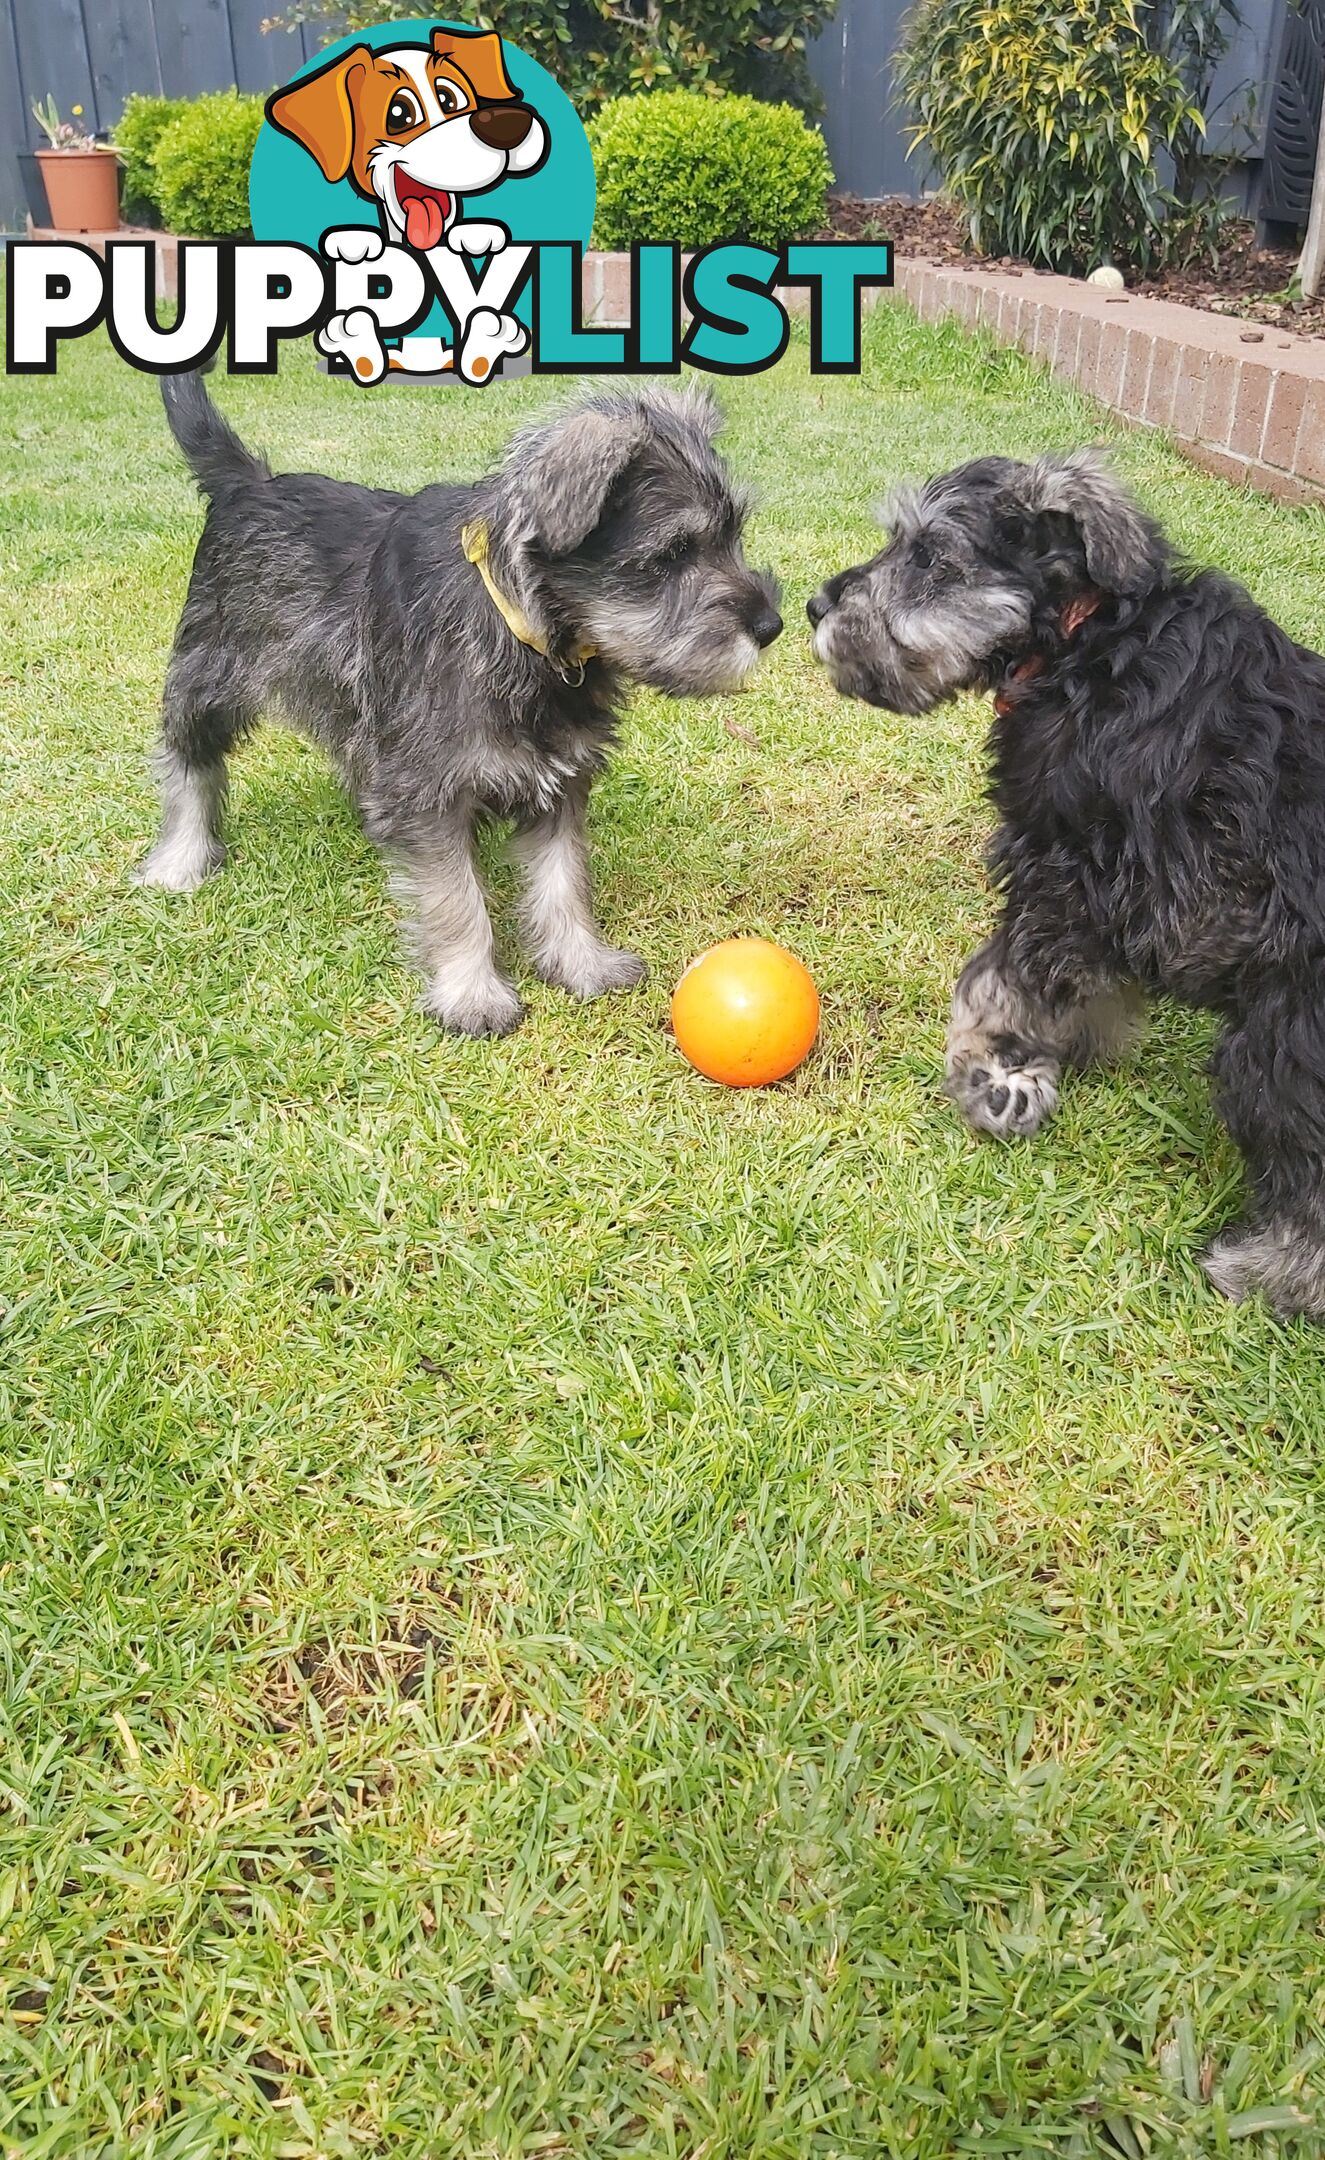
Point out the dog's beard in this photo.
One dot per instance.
(712, 671)
(705, 658)
(912, 659)
(883, 675)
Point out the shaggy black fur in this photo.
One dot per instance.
(1159, 775)
(613, 528)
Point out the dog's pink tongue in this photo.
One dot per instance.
(424, 222)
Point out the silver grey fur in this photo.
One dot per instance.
(1006, 1049)
(613, 524)
(940, 607)
(1158, 772)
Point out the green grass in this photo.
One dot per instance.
(548, 1608)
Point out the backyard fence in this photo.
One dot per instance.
(93, 53)
(1293, 117)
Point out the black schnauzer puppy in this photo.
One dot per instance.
(1159, 774)
(461, 653)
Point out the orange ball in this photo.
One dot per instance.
(746, 1012)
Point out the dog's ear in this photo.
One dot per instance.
(318, 111)
(701, 408)
(478, 55)
(1122, 545)
(571, 474)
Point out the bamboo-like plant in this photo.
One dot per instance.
(1046, 119)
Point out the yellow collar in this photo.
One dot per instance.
(474, 540)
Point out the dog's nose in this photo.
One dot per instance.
(501, 127)
(766, 626)
(817, 606)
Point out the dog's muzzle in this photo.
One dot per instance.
(862, 664)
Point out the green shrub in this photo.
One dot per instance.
(677, 165)
(1045, 118)
(142, 124)
(201, 164)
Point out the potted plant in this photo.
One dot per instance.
(81, 176)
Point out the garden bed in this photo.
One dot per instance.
(1249, 281)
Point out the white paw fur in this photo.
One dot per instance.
(594, 970)
(1009, 1102)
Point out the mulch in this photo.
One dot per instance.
(1247, 280)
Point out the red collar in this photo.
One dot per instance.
(1074, 614)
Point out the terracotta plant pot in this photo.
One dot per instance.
(82, 189)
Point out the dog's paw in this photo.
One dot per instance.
(1282, 1261)
(356, 338)
(1232, 1263)
(488, 336)
(489, 1008)
(1004, 1098)
(354, 244)
(477, 236)
(180, 865)
(594, 973)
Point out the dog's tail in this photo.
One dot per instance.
(214, 452)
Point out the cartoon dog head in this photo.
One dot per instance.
(415, 127)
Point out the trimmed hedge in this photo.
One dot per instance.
(142, 124)
(200, 165)
(676, 165)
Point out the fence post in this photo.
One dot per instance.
(1312, 266)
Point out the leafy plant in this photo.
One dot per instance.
(1046, 118)
(681, 166)
(62, 134)
(142, 124)
(1197, 35)
(601, 49)
(201, 163)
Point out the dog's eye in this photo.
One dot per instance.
(677, 551)
(403, 112)
(922, 555)
(449, 95)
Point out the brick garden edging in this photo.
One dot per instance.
(1253, 412)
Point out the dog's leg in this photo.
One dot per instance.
(556, 909)
(190, 766)
(1007, 1045)
(451, 934)
(1270, 1092)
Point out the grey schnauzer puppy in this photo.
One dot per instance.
(461, 653)
(1158, 756)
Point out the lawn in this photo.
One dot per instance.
(551, 1609)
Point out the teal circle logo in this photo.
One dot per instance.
(429, 136)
